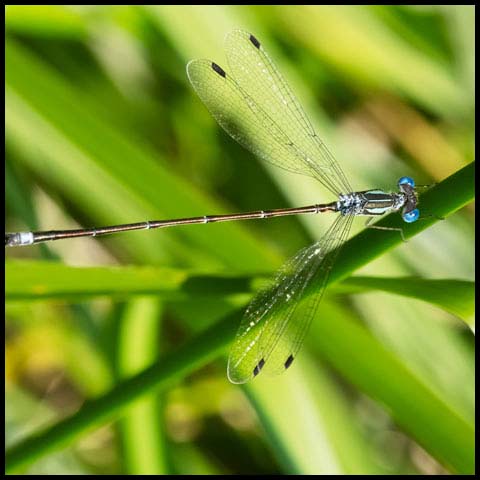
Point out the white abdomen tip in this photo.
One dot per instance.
(26, 238)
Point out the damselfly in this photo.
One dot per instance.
(256, 107)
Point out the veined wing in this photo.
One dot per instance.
(257, 75)
(277, 319)
(272, 126)
(242, 118)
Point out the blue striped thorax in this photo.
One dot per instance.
(378, 202)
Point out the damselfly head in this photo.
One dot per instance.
(410, 211)
(402, 182)
(411, 216)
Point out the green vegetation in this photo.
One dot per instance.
(116, 346)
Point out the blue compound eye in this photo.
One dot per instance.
(406, 180)
(411, 216)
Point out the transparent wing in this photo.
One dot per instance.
(256, 107)
(296, 329)
(260, 112)
(257, 75)
(242, 118)
(277, 319)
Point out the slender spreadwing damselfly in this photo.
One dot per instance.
(255, 106)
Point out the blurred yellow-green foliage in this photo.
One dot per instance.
(102, 127)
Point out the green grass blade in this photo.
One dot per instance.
(33, 279)
(171, 368)
(39, 280)
(142, 436)
(48, 20)
(422, 412)
(23, 415)
(454, 296)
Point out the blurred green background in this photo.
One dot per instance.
(102, 127)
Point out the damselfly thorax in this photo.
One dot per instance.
(378, 202)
